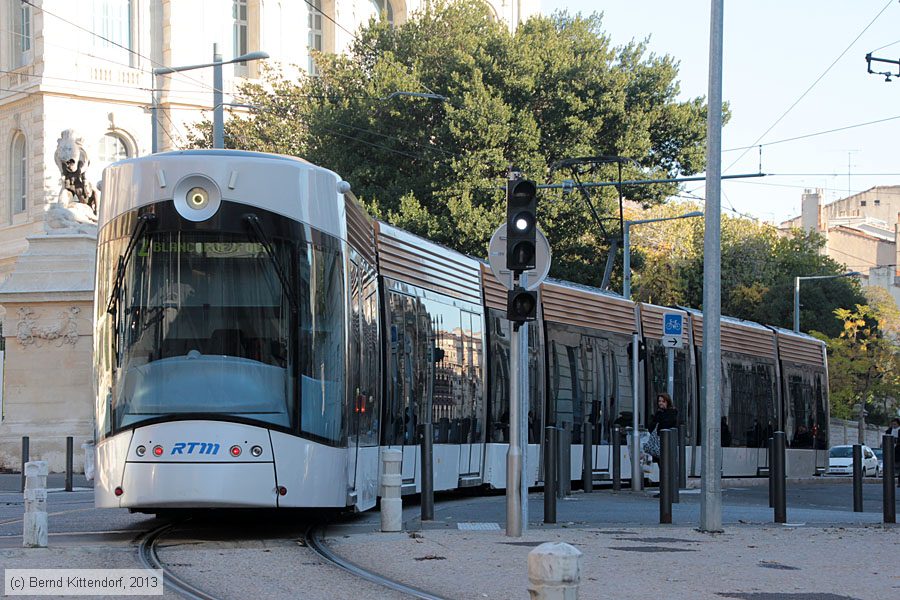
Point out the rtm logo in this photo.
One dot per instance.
(200, 447)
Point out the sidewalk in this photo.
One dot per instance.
(465, 554)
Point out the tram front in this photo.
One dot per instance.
(219, 305)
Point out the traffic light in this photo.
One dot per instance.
(521, 305)
(521, 224)
(642, 351)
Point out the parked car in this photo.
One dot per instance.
(879, 454)
(840, 461)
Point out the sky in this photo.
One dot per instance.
(790, 68)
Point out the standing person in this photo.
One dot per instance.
(894, 430)
(666, 417)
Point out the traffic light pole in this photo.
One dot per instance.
(516, 484)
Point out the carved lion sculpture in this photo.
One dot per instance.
(75, 210)
(72, 160)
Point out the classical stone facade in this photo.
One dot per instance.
(86, 65)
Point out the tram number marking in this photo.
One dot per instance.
(189, 447)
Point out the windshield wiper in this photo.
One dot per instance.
(253, 223)
(139, 229)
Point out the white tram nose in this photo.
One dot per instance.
(189, 463)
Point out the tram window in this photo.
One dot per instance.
(748, 402)
(202, 325)
(322, 367)
(805, 419)
(499, 335)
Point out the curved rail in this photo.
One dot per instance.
(150, 560)
(317, 545)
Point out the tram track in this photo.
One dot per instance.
(314, 540)
(149, 558)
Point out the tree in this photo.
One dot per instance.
(757, 269)
(556, 88)
(864, 359)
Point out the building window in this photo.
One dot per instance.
(113, 28)
(18, 174)
(111, 149)
(382, 9)
(316, 32)
(877, 202)
(239, 34)
(862, 202)
(20, 33)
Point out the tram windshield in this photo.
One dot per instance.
(202, 326)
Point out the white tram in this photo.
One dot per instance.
(258, 340)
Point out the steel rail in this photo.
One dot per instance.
(315, 542)
(149, 558)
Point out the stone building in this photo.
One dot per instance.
(861, 231)
(87, 65)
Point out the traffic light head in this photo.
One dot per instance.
(521, 224)
(521, 305)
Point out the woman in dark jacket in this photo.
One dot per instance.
(666, 416)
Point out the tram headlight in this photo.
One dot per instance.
(197, 198)
(256, 450)
(140, 450)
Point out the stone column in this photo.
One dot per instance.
(47, 330)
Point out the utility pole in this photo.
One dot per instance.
(711, 467)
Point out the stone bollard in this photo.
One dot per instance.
(391, 502)
(89, 468)
(554, 572)
(34, 524)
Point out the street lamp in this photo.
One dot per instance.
(626, 275)
(797, 293)
(218, 115)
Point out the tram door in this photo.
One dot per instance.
(471, 391)
(363, 378)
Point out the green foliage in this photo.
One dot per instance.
(864, 359)
(758, 270)
(556, 88)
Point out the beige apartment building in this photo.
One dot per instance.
(862, 231)
(86, 65)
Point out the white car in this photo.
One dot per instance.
(840, 461)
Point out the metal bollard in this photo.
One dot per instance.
(887, 480)
(587, 458)
(617, 458)
(34, 523)
(551, 445)
(69, 451)
(665, 476)
(771, 453)
(425, 433)
(778, 468)
(682, 457)
(554, 572)
(676, 466)
(857, 478)
(391, 480)
(25, 458)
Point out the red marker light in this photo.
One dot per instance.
(235, 451)
(157, 450)
(119, 491)
(282, 491)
